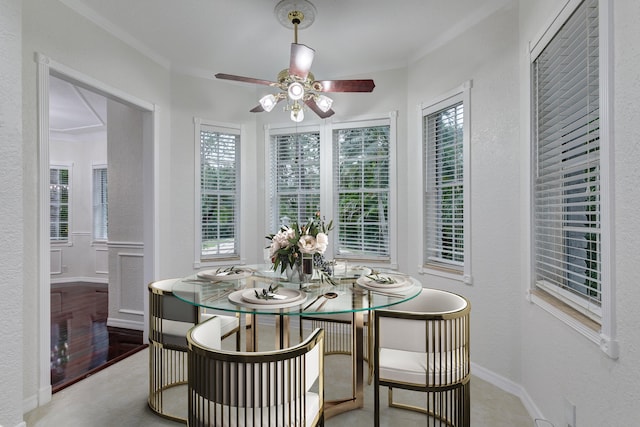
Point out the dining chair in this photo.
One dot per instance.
(338, 329)
(169, 321)
(423, 345)
(283, 387)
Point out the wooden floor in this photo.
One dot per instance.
(81, 341)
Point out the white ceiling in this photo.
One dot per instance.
(244, 37)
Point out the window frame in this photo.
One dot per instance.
(606, 336)
(372, 122)
(69, 168)
(327, 192)
(94, 168)
(200, 260)
(459, 95)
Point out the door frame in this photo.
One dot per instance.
(46, 67)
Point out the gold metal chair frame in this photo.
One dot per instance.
(255, 388)
(447, 361)
(339, 336)
(167, 353)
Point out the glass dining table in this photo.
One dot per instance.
(258, 290)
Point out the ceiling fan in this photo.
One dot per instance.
(297, 84)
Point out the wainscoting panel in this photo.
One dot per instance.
(126, 285)
(56, 261)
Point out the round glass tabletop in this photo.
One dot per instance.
(257, 289)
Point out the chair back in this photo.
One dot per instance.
(276, 388)
(169, 317)
(434, 323)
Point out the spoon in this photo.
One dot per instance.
(327, 295)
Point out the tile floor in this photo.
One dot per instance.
(117, 396)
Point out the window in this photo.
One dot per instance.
(446, 199)
(59, 203)
(346, 172)
(361, 162)
(566, 145)
(219, 192)
(295, 177)
(100, 203)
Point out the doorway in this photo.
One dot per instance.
(80, 257)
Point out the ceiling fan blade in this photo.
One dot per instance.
(301, 60)
(245, 79)
(314, 107)
(365, 85)
(257, 109)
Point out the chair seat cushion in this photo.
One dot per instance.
(412, 367)
(175, 333)
(266, 416)
(228, 324)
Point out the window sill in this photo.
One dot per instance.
(575, 320)
(448, 273)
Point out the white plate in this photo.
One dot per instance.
(236, 298)
(399, 281)
(290, 295)
(225, 275)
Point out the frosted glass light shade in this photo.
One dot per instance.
(267, 102)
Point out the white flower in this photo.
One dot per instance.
(281, 240)
(322, 240)
(307, 244)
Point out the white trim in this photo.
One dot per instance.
(44, 297)
(82, 9)
(461, 93)
(508, 386)
(98, 280)
(46, 67)
(199, 124)
(606, 339)
(127, 324)
(127, 245)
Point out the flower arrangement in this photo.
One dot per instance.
(290, 243)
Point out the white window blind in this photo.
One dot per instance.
(566, 139)
(295, 177)
(100, 203)
(443, 136)
(219, 192)
(59, 203)
(362, 191)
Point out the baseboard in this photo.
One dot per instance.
(101, 280)
(508, 386)
(126, 324)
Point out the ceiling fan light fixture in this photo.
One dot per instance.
(297, 113)
(295, 91)
(324, 103)
(268, 102)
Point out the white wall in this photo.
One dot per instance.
(487, 55)
(54, 30)
(558, 363)
(513, 342)
(11, 209)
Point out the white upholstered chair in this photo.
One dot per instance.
(169, 321)
(274, 388)
(423, 345)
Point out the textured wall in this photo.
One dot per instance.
(11, 223)
(558, 363)
(486, 55)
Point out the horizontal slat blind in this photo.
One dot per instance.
(361, 183)
(59, 204)
(219, 187)
(444, 201)
(100, 204)
(295, 177)
(567, 161)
